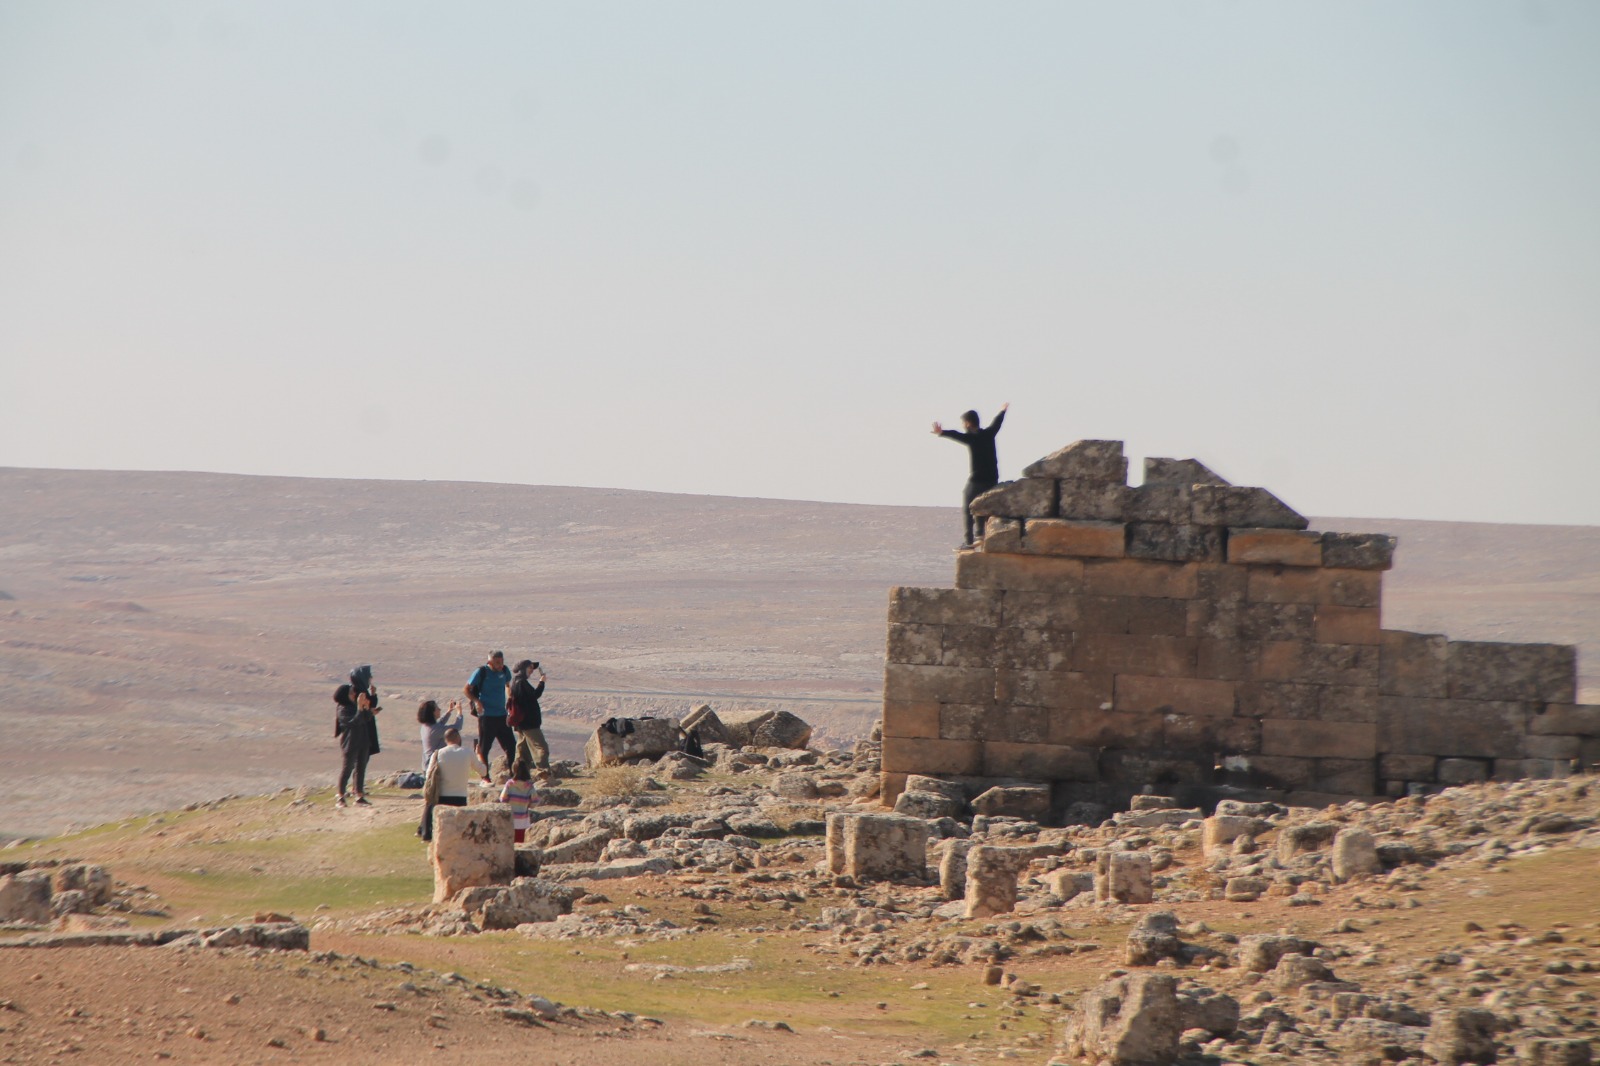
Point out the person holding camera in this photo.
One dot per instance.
(525, 717)
(356, 729)
(486, 693)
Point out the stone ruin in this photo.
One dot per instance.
(1194, 637)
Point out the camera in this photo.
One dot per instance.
(536, 666)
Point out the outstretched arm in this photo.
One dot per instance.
(994, 426)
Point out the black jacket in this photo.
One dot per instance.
(980, 443)
(522, 708)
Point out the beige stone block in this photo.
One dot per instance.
(1352, 588)
(1056, 536)
(1485, 670)
(1053, 688)
(1347, 625)
(1566, 718)
(1280, 584)
(1039, 762)
(969, 646)
(1140, 615)
(919, 756)
(915, 644)
(1221, 583)
(1032, 649)
(1315, 739)
(1480, 729)
(1139, 577)
(1285, 547)
(1039, 610)
(1152, 656)
(1279, 771)
(1001, 535)
(947, 684)
(890, 785)
(1319, 664)
(908, 718)
(1279, 699)
(1414, 664)
(471, 846)
(1211, 733)
(1350, 777)
(1102, 729)
(1174, 695)
(1027, 498)
(1019, 724)
(1226, 660)
(925, 606)
(966, 721)
(1026, 573)
(1348, 703)
(1551, 747)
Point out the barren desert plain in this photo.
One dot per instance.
(169, 639)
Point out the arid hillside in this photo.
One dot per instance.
(174, 636)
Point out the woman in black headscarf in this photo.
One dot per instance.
(357, 729)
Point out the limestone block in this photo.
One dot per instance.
(1461, 1035)
(1358, 551)
(1244, 889)
(913, 755)
(958, 606)
(524, 900)
(953, 868)
(1552, 747)
(1285, 547)
(949, 789)
(1054, 688)
(1237, 506)
(1261, 952)
(1180, 472)
(1049, 609)
(1174, 695)
(1276, 621)
(1134, 1020)
(890, 785)
(1040, 762)
(1140, 615)
(1140, 577)
(1346, 777)
(1351, 588)
(1554, 1051)
(1132, 766)
(585, 847)
(1407, 767)
(1279, 699)
(1124, 877)
(471, 846)
(760, 728)
(1274, 771)
(1095, 728)
(913, 644)
(1307, 836)
(1015, 801)
(1462, 771)
(928, 805)
(968, 721)
(1154, 937)
(1280, 584)
(1348, 703)
(1348, 625)
(942, 684)
(1001, 535)
(1057, 536)
(877, 846)
(796, 785)
(992, 879)
(1477, 728)
(93, 880)
(1090, 460)
(1318, 664)
(1482, 670)
(1354, 854)
(977, 571)
(651, 738)
(1169, 504)
(1032, 497)
(1097, 501)
(706, 724)
(1151, 656)
(1221, 830)
(1177, 543)
(1573, 719)
(1295, 971)
(1153, 819)
(1067, 884)
(967, 646)
(25, 897)
(1032, 649)
(1312, 739)
(911, 718)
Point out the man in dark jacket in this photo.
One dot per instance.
(525, 718)
(985, 464)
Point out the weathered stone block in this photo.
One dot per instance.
(1019, 724)
(947, 684)
(1068, 884)
(1406, 767)
(1226, 660)
(1132, 1020)
(1029, 498)
(1414, 664)
(25, 897)
(929, 805)
(1139, 577)
(913, 644)
(873, 847)
(1352, 588)
(1278, 584)
(1348, 703)
(1566, 718)
(914, 755)
(1275, 621)
(1481, 670)
(1320, 664)
(967, 646)
(1032, 649)
(1184, 473)
(1461, 1035)
(1174, 543)
(1275, 771)
(1098, 501)
(1206, 733)
(1015, 801)
(92, 879)
(1171, 504)
(1024, 573)
(1347, 625)
(1089, 460)
(1026, 609)
(959, 606)
(1223, 829)
(1547, 746)
(911, 718)
(1462, 771)
(1056, 536)
(966, 721)
(1554, 1051)
(992, 879)
(760, 727)
(1221, 583)
(1168, 695)
(1279, 699)
(953, 868)
(1476, 728)
(1102, 729)
(471, 846)
(1138, 615)
(1237, 506)
(1053, 688)
(525, 900)
(1316, 739)
(1044, 762)
(651, 738)
(1307, 836)
(1284, 547)
(1347, 777)
(1001, 535)
(1099, 653)
(1124, 877)
(1358, 551)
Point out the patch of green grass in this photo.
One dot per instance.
(235, 893)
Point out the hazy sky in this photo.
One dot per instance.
(1349, 251)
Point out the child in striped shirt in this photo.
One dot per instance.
(518, 795)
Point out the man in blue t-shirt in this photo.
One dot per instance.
(486, 692)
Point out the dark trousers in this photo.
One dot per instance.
(426, 829)
(355, 762)
(974, 489)
(492, 731)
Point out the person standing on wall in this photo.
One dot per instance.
(486, 692)
(985, 463)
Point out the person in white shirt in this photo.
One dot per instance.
(449, 774)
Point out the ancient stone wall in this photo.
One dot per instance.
(1188, 634)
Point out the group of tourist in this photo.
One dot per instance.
(505, 703)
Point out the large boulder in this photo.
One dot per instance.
(619, 739)
(929, 805)
(766, 729)
(1031, 802)
(25, 897)
(704, 722)
(876, 846)
(524, 900)
(1132, 1021)
(471, 846)
(92, 880)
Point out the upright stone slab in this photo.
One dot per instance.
(1132, 1021)
(953, 868)
(1355, 853)
(472, 846)
(877, 847)
(1124, 877)
(992, 879)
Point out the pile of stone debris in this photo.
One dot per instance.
(68, 895)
